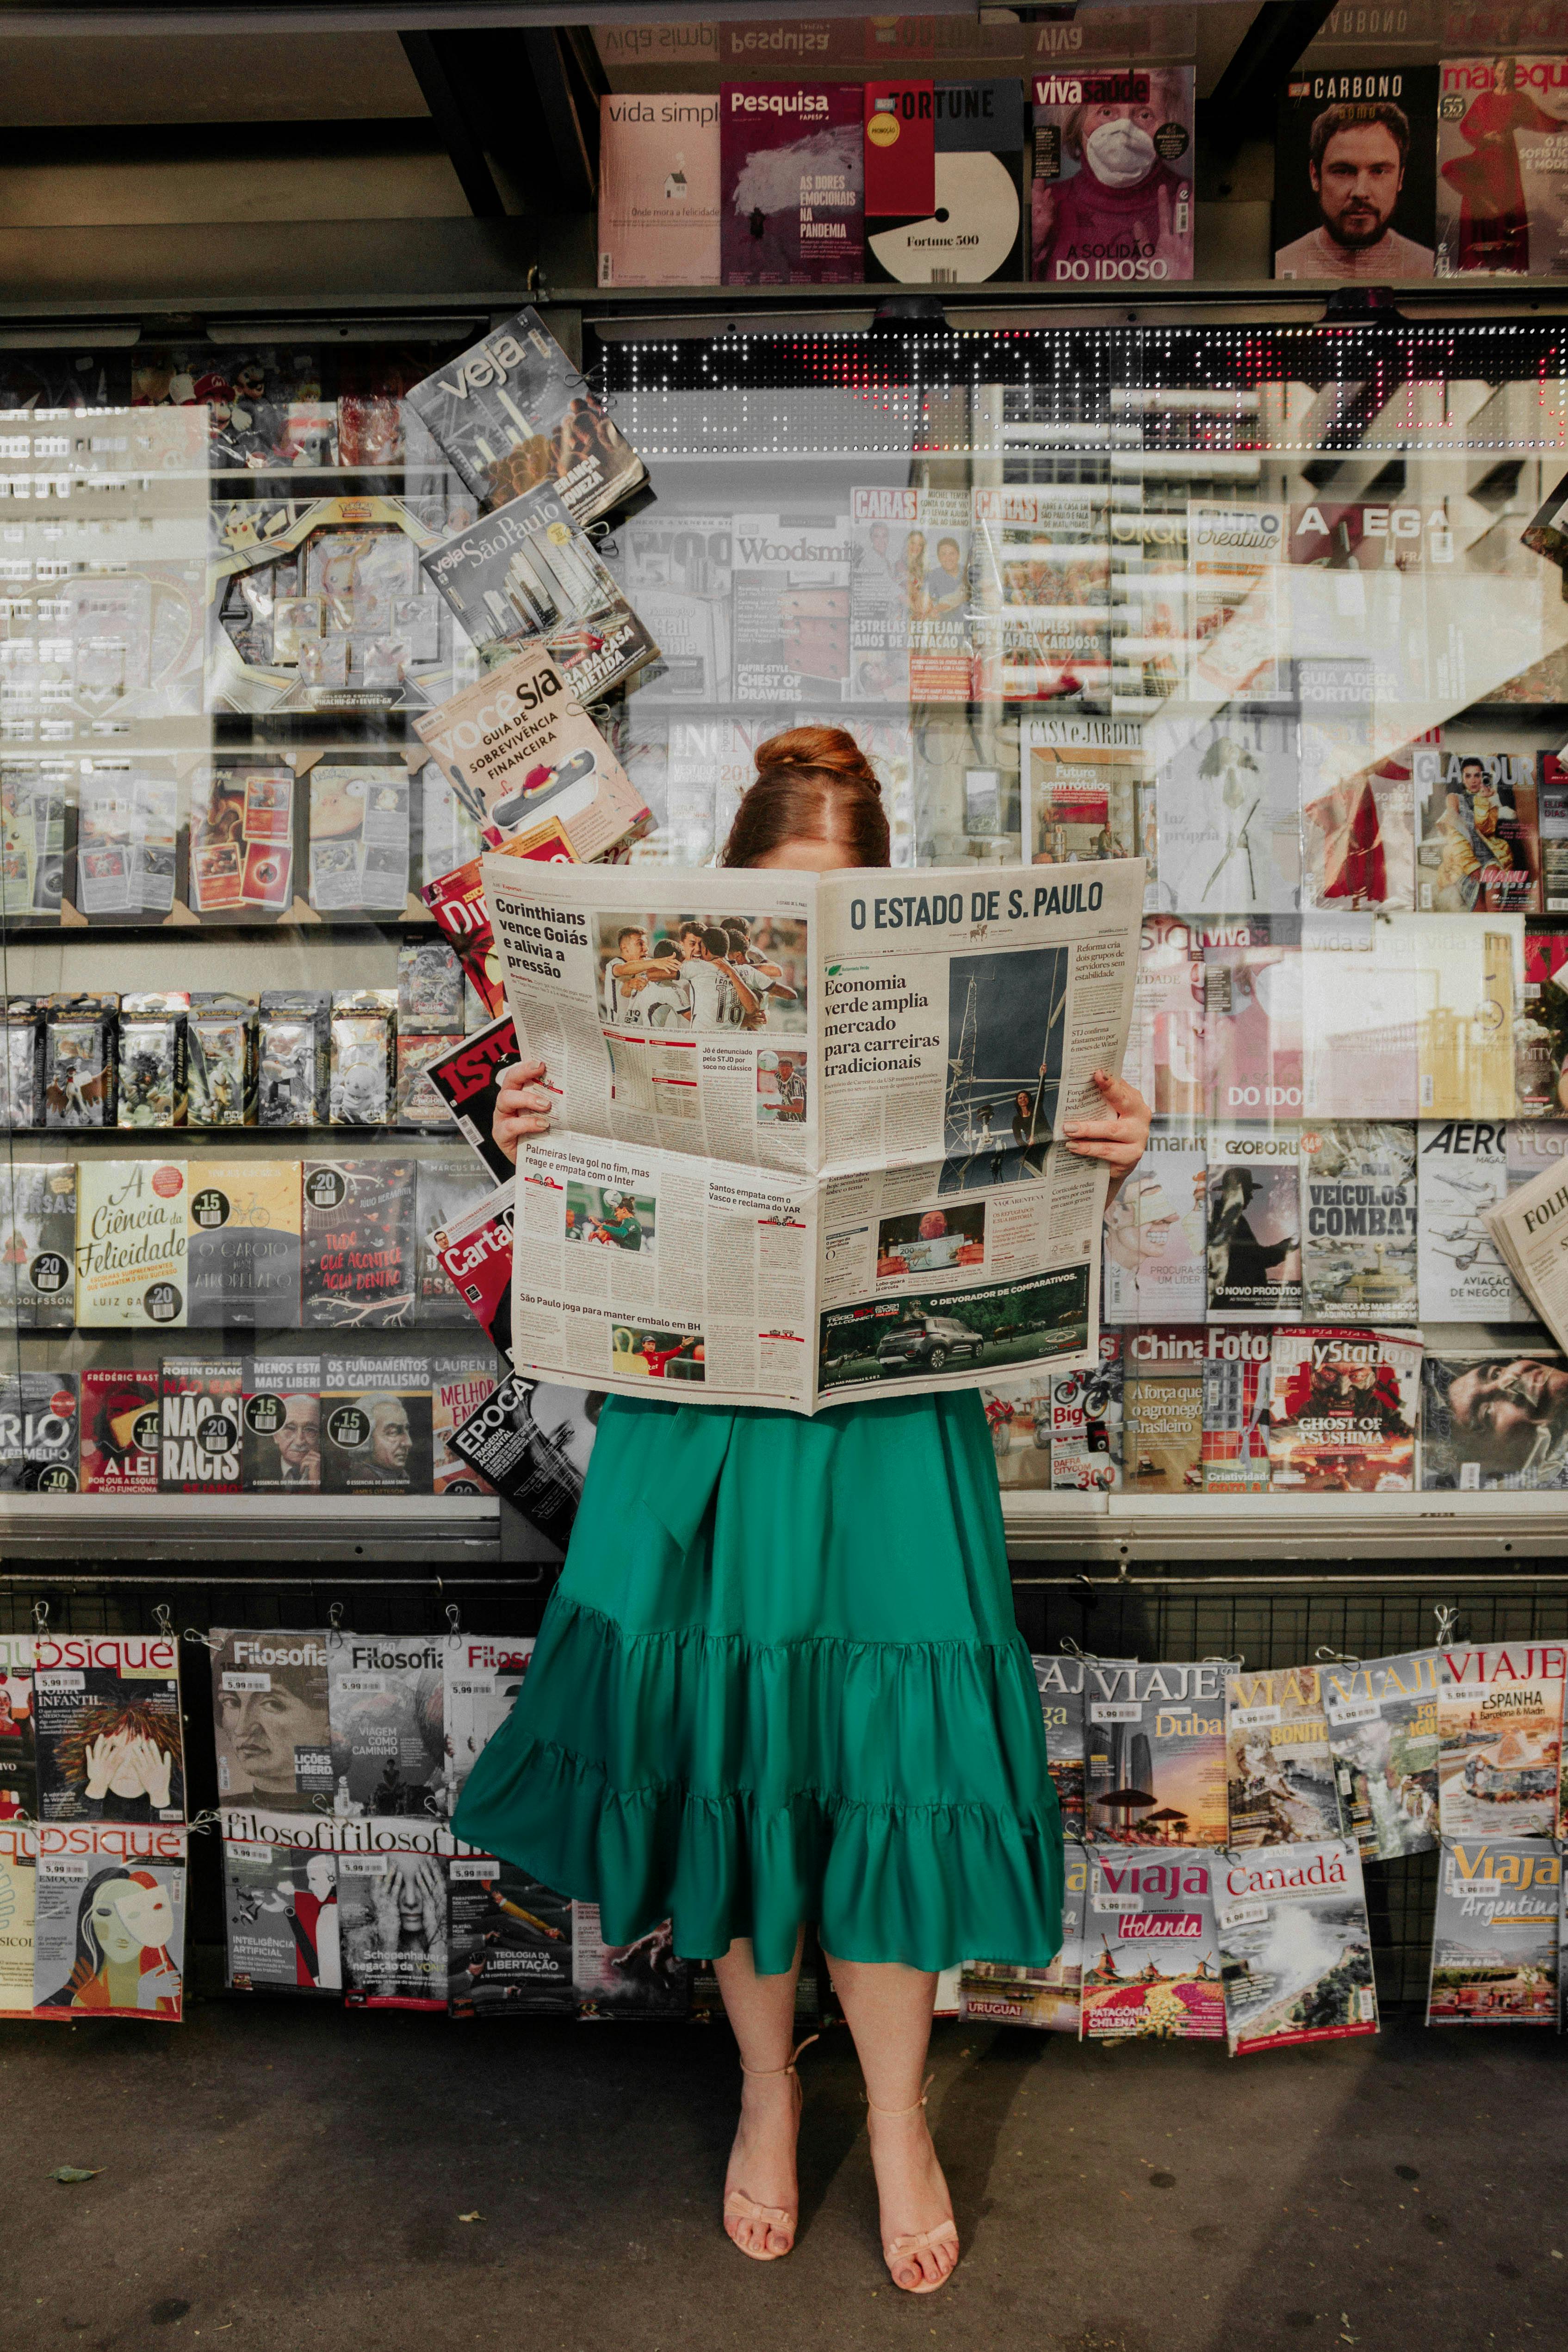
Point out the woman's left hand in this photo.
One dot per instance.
(1119, 1138)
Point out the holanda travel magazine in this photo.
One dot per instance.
(1151, 1952)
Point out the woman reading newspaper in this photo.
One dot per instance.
(749, 1717)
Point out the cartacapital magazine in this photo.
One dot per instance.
(811, 1128)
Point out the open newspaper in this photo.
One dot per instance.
(809, 1136)
(1530, 1228)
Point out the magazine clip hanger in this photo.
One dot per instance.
(334, 1617)
(162, 1620)
(200, 1823)
(40, 1619)
(209, 1642)
(1447, 1623)
(1325, 1656)
(453, 1617)
(1232, 1666)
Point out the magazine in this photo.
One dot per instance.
(385, 1702)
(1502, 172)
(18, 1877)
(1086, 1423)
(1154, 1754)
(107, 1720)
(531, 1442)
(1358, 831)
(18, 1760)
(1227, 806)
(1354, 181)
(1078, 788)
(280, 1901)
(1049, 1997)
(199, 1420)
(911, 1221)
(459, 1387)
(1383, 1732)
(1254, 1236)
(1150, 1966)
(1540, 1029)
(358, 1266)
(1162, 1411)
(658, 189)
(1479, 847)
(643, 1980)
(1041, 563)
(108, 1935)
(1494, 1417)
(1117, 206)
(446, 1186)
(1236, 1378)
(524, 576)
(1495, 1934)
(1295, 1947)
(511, 1942)
(1252, 1018)
(269, 1717)
(909, 599)
(376, 1425)
(1061, 1681)
(475, 1252)
(120, 1426)
(484, 1673)
(1462, 1171)
(1155, 1263)
(280, 1425)
(130, 1244)
(791, 620)
(1280, 1768)
(38, 1434)
(242, 1257)
(1500, 1739)
(1359, 1221)
(467, 1077)
(1237, 628)
(392, 1906)
(1342, 1411)
(1527, 1228)
(791, 184)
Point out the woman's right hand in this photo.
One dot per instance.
(523, 1105)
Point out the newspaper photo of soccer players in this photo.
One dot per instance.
(638, 1353)
(688, 973)
(1006, 1031)
(615, 1220)
(782, 1087)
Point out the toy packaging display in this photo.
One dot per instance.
(79, 1038)
(221, 1058)
(365, 1056)
(128, 824)
(241, 845)
(153, 1058)
(359, 838)
(22, 1062)
(429, 989)
(419, 1103)
(294, 1058)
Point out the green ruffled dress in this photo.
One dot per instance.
(780, 1680)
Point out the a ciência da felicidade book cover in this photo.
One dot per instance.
(793, 164)
(658, 189)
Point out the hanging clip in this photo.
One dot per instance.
(335, 1617)
(160, 1620)
(453, 1619)
(40, 1616)
(1324, 1657)
(1448, 1620)
(199, 1824)
(204, 1641)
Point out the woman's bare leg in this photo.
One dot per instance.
(888, 2010)
(760, 2010)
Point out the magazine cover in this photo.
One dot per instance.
(18, 1875)
(1154, 1754)
(38, 1245)
(791, 183)
(969, 230)
(1478, 850)
(460, 1385)
(909, 597)
(468, 1078)
(530, 1442)
(280, 1901)
(1019, 1414)
(1155, 1268)
(513, 411)
(121, 1427)
(108, 1933)
(130, 1244)
(522, 753)
(38, 1434)
(200, 1443)
(241, 840)
(280, 1425)
(1540, 1031)
(388, 1739)
(18, 1760)
(1383, 1732)
(1078, 788)
(358, 1245)
(1162, 1411)
(1062, 1682)
(446, 1185)
(1252, 1018)
(269, 1717)
(1165, 1037)
(1360, 1055)
(107, 1723)
(242, 1260)
(1342, 1411)
(1494, 1417)
(1295, 1947)
(643, 1980)
(1237, 631)
(475, 1253)
(1041, 564)
(358, 854)
(376, 1425)
(1112, 194)
(392, 1912)
(1461, 1172)
(791, 614)
(1495, 1934)
(1502, 171)
(1086, 1423)
(523, 576)
(1354, 195)
(1359, 1220)
(1500, 1739)
(658, 189)
(1228, 810)
(1048, 1999)
(1279, 1768)
(484, 1674)
(1552, 810)
(1358, 835)
(511, 1942)
(1254, 1231)
(1235, 1407)
(1150, 1965)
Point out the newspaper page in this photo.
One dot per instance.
(810, 1135)
(1530, 1230)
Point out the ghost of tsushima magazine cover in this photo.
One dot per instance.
(392, 1912)
(1342, 1414)
(510, 1942)
(109, 1745)
(1280, 1768)
(269, 1717)
(1383, 1732)
(642, 1979)
(108, 1933)
(1154, 1754)
(1295, 1946)
(1005, 1993)
(388, 1730)
(280, 1901)
(1495, 1957)
(1151, 1949)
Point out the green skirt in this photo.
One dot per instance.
(780, 1680)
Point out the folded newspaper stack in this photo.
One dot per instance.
(1531, 1231)
(809, 1128)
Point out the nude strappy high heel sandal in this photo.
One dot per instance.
(898, 2251)
(738, 2206)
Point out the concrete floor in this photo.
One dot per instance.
(294, 2178)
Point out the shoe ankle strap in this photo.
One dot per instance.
(758, 2073)
(874, 2109)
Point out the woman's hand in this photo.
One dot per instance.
(523, 1105)
(1119, 1138)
